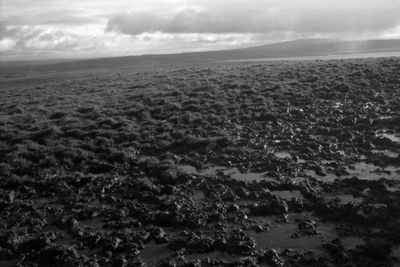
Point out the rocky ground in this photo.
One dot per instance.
(276, 164)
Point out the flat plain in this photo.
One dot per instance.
(233, 164)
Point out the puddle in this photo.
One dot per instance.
(96, 223)
(146, 180)
(329, 177)
(153, 253)
(394, 137)
(198, 195)
(369, 171)
(328, 162)
(214, 170)
(215, 255)
(280, 236)
(379, 205)
(188, 169)
(283, 155)
(385, 117)
(234, 173)
(361, 170)
(288, 195)
(362, 157)
(199, 199)
(351, 242)
(299, 180)
(250, 176)
(391, 188)
(337, 105)
(192, 170)
(386, 152)
(345, 199)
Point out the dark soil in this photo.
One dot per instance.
(277, 164)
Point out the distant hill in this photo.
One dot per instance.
(298, 48)
(319, 47)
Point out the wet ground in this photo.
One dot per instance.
(275, 164)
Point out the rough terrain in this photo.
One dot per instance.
(275, 164)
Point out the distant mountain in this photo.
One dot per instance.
(298, 48)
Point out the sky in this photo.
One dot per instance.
(45, 29)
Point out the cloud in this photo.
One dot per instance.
(191, 20)
(3, 29)
(340, 20)
(51, 17)
(135, 23)
(74, 28)
(265, 19)
(6, 44)
(36, 39)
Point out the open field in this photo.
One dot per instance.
(270, 164)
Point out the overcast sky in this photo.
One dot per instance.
(37, 29)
